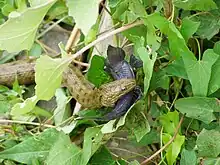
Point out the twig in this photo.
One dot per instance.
(122, 149)
(51, 27)
(105, 8)
(26, 122)
(111, 33)
(47, 47)
(72, 39)
(166, 145)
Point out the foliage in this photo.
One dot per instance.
(178, 45)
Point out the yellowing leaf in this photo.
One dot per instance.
(48, 76)
(18, 32)
(25, 107)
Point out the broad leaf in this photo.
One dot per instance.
(188, 157)
(199, 72)
(92, 141)
(208, 143)
(152, 39)
(203, 5)
(33, 148)
(169, 121)
(84, 13)
(209, 24)
(25, 107)
(212, 161)
(159, 79)
(48, 76)
(200, 108)
(174, 149)
(64, 152)
(177, 69)
(188, 28)
(102, 156)
(214, 83)
(18, 32)
(96, 73)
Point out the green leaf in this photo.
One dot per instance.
(188, 28)
(96, 73)
(200, 108)
(102, 156)
(18, 32)
(33, 148)
(209, 24)
(137, 122)
(176, 68)
(63, 110)
(92, 141)
(135, 162)
(48, 76)
(214, 83)
(120, 10)
(159, 79)
(64, 152)
(174, 149)
(188, 157)
(84, 12)
(208, 143)
(36, 50)
(25, 107)
(203, 5)
(148, 65)
(212, 161)
(169, 121)
(152, 39)
(7, 9)
(58, 9)
(177, 43)
(5, 106)
(199, 72)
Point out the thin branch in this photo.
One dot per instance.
(73, 36)
(103, 37)
(26, 122)
(51, 27)
(166, 145)
(125, 150)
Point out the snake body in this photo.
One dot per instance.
(80, 88)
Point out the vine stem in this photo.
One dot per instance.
(26, 122)
(104, 36)
(166, 145)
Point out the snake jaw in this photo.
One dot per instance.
(112, 91)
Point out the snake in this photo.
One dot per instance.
(80, 88)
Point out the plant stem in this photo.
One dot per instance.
(166, 145)
(26, 122)
(198, 45)
(102, 37)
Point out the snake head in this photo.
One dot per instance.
(111, 92)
